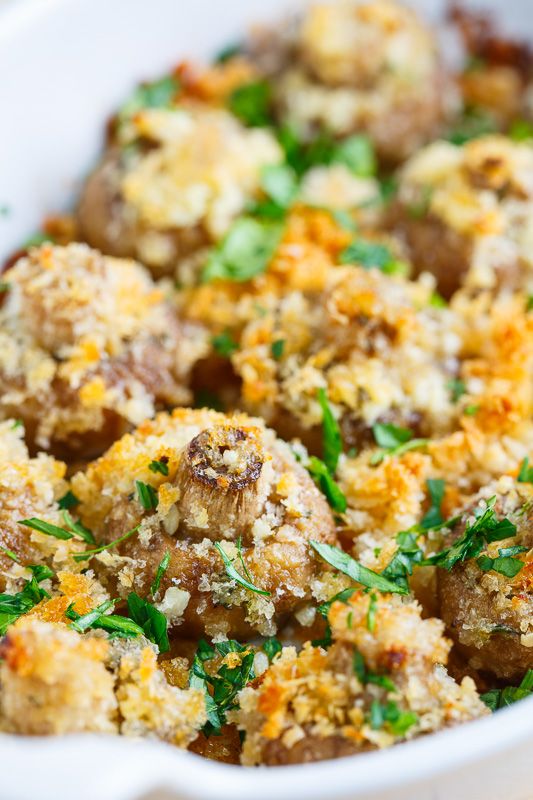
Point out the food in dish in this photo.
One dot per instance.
(284, 349)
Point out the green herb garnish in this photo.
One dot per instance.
(331, 434)
(271, 647)
(68, 501)
(90, 553)
(433, 517)
(457, 388)
(13, 606)
(390, 716)
(357, 153)
(356, 571)
(152, 621)
(322, 477)
(224, 344)
(157, 94)
(221, 688)
(365, 676)
(393, 441)
(46, 528)
(232, 573)
(500, 698)
(160, 466)
(162, 568)
(227, 53)
(244, 252)
(368, 255)
(525, 474)
(146, 495)
(114, 624)
(251, 103)
(276, 348)
(371, 613)
(505, 563)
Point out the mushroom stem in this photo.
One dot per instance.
(223, 482)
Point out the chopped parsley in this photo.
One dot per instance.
(152, 621)
(156, 94)
(37, 239)
(227, 53)
(160, 466)
(344, 563)
(251, 103)
(332, 491)
(232, 573)
(525, 474)
(433, 517)
(224, 344)
(505, 563)
(276, 348)
(471, 410)
(407, 556)
(244, 252)
(331, 434)
(162, 568)
(271, 647)
(475, 122)
(368, 255)
(90, 553)
(357, 153)
(68, 501)
(13, 606)
(46, 528)
(280, 184)
(365, 676)
(371, 613)
(521, 130)
(221, 688)
(393, 441)
(146, 495)
(484, 530)
(114, 624)
(391, 717)
(500, 698)
(457, 388)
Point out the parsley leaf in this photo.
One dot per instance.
(244, 252)
(368, 255)
(505, 563)
(364, 676)
(393, 441)
(227, 53)
(160, 466)
(232, 573)
(357, 153)
(114, 624)
(224, 344)
(500, 698)
(46, 527)
(271, 647)
(371, 613)
(162, 568)
(356, 571)
(276, 348)
(525, 474)
(521, 130)
(150, 619)
(279, 183)
(322, 477)
(13, 606)
(433, 516)
(457, 388)
(90, 553)
(331, 434)
(146, 495)
(485, 529)
(156, 94)
(68, 501)
(251, 103)
(221, 688)
(390, 715)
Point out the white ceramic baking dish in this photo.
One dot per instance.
(64, 66)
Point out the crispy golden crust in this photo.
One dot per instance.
(56, 681)
(488, 614)
(29, 487)
(162, 203)
(256, 492)
(312, 705)
(89, 347)
(370, 67)
(465, 212)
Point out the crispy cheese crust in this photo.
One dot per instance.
(312, 705)
(465, 211)
(89, 347)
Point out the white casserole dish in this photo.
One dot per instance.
(64, 66)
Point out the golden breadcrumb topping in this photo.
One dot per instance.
(324, 701)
